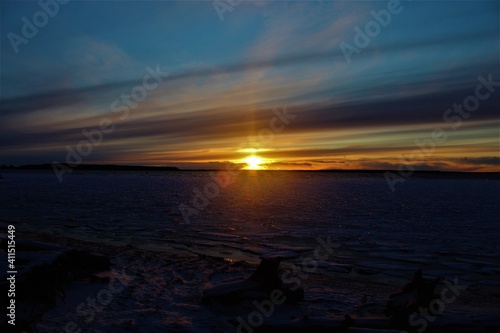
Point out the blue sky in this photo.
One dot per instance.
(225, 77)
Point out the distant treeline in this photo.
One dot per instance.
(359, 173)
(90, 167)
(427, 174)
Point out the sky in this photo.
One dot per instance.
(259, 84)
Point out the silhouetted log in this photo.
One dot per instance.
(260, 284)
(418, 293)
(267, 273)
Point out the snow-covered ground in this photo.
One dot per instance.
(447, 227)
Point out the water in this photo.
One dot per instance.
(447, 226)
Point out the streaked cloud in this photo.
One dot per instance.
(366, 114)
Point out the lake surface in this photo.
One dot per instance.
(448, 226)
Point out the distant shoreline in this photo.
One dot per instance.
(90, 167)
(110, 167)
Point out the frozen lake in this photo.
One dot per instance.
(448, 226)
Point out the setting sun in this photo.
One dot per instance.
(253, 163)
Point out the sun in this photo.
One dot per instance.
(253, 162)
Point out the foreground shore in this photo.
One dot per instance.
(153, 291)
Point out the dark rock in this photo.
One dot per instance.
(43, 283)
(83, 263)
(43, 272)
(418, 293)
(260, 284)
(267, 273)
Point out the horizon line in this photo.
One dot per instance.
(125, 167)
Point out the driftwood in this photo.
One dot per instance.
(418, 293)
(260, 284)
